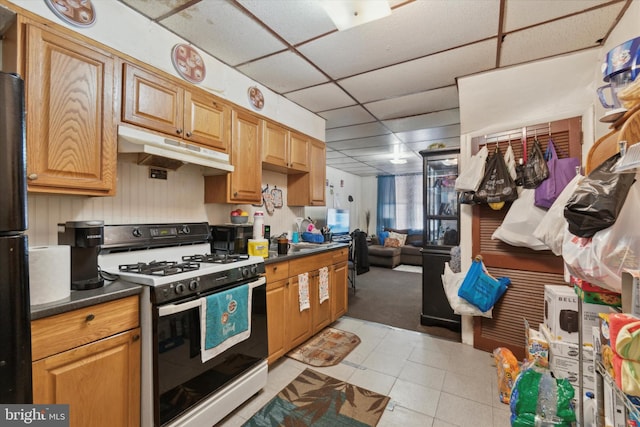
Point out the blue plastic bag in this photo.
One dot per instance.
(481, 289)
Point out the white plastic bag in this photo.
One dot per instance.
(551, 229)
(518, 224)
(470, 178)
(451, 283)
(601, 259)
(510, 160)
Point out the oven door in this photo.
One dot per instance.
(182, 380)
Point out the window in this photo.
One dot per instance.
(400, 202)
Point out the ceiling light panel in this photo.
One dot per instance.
(418, 28)
(217, 27)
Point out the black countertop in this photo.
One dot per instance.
(79, 299)
(305, 249)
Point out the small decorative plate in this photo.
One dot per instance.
(79, 13)
(256, 97)
(188, 63)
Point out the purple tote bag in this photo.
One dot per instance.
(561, 172)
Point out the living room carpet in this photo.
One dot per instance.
(315, 399)
(326, 348)
(392, 298)
(409, 268)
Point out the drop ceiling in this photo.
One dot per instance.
(389, 85)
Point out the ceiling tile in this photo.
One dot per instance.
(429, 134)
(430, 120)
(523, 13)
(375, 141)
(415, 29)
(283, 72)
(346, 116)
(423, 145)
(217, 27)
(321, 98)
(566, 35)
(154, 9)
(422, 74)
(409, 105)
(357, 131)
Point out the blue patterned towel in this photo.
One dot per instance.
(225, 320)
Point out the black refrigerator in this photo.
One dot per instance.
(15, 314)
(440, 234)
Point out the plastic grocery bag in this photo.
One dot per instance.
(601, 259)
(451, 283)
(480, 288)
(535, 170)
(597, 201)
(470, 178)
(553, 225)
(497, 185)
(561, 172)
(517, 226)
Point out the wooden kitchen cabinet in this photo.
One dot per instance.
(244, 184)
(308, 189)
(284, 150)
(339, 290)
(70, 115)
(320, 313)
(167, 106)
(89, 358)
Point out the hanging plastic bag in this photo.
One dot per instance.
(597, 201)
(497, 185)
(601, 259)
(471, 177)
(553, 225)
(535, 169)
(480, 288)
(451, 283)
(510, 161)
(523, 217)
(561, 171)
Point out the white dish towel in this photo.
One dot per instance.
(303, 291)
(324, 284)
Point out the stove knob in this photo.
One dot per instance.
(254, 270)
(136, 232)
(179, 288)
(245, 272)
(193, 285)
(186, 229)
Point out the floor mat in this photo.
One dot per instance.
(317, 399)
(409, 268)
(327, 348)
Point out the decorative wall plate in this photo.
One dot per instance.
(79, 13)
(188, 63)
(256, 97)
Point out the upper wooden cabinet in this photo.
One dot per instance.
(244, 184)
(308, 189)
(164, 105)
(71, 124)
(284, 150)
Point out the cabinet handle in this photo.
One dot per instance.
(178, 131)
(188, 134)
(235, 194)
(33, 176)
(135, 338)
(275, 269)
(90, 317)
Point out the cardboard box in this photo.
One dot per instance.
(595, 294)
(614, 410)
(631, 291)
(563, 367)
(561, 314)
(565, 348)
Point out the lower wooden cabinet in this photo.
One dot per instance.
(90, 359)
(288, 326)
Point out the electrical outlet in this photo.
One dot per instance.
(157, 173)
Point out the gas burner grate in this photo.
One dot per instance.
(159, 268)
(215, 258)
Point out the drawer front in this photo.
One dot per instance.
(55, 334)
(277, 271)
(340, 255)
(310, 263)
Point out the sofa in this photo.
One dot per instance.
(388, 250)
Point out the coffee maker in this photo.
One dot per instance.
(85, 238)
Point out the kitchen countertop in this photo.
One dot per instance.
(303, 249)
(79, 299)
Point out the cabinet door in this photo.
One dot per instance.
(299, 152)
(339, 290)
(299, 321)
(321, 313)
(276, 318)
(275, 147)
(100, 381)
(317, 173)
(207, 121)
(71, 128)
(152, 102)
(246, 179)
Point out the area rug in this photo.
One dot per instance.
(409, 268)
(327, 348)
(315, 399)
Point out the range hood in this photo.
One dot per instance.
(156, 150)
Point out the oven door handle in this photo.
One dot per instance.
(169, 309)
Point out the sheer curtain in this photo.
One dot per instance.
(400, 202)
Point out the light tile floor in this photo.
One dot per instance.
(432, 382)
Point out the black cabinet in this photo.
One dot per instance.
(441, 225)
